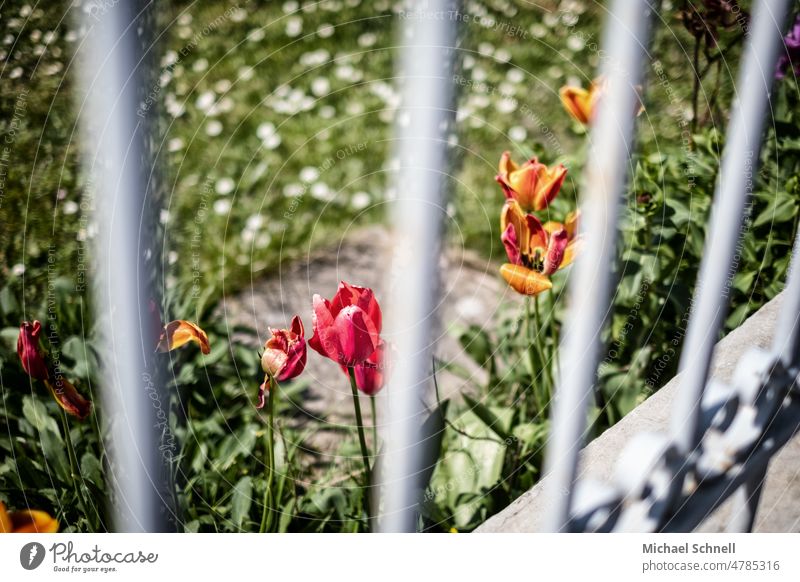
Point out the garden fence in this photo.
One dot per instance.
(721, 436)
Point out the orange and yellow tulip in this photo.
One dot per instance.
(26, 521)
(176, 333)
(180, 332)
(532, 185)
(535, 251)
(581, 103)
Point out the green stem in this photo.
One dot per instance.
(266, 516)
(73, 465)
(553, 330)
(548, 369)
(531, 345)
(373, 409)
(362, 440)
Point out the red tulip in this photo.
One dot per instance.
(347, 329)
(28, 350)
(371, 375)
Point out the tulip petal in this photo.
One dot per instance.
(578, 103)
(5, 519)
(537, 235)
(555, 252)
(33, 521)
(324, 341)
(509, 238)
(295, 360)
(262, 393)
(179, 332)
(572, 250)
(357, 335)
(29, 351)
(524, 280)
(371, 375)
(506, 165)
(68, 397)
(363, 297)
(525, 183)
(571, 223)
(548, 185)
(297, 326)
(273, 360)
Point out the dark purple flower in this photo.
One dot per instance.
(791, 56)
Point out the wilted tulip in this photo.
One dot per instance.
(532, 185)
(347, 328)
(284, 356)
(535, 251)
(179, 332)
(35, 365)
(68, 397)
(26, 521)
(30, 355)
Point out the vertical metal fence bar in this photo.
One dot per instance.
(603, 183)
(739, 166)
(787, 334)
(111, 78)
(429, 35)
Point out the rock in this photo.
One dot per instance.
(472, 294)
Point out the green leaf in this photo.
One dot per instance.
(242, 499)
(91, 468)
(782, 208)
(488, 417)
(478, 345)
(8, 301)
(36, 413)
(432, 434)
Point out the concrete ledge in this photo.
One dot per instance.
(779, 510)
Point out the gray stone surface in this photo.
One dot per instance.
(779, 510)
(473, 291)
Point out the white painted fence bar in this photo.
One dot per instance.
(604, 180)
(787, 336)
(739, 167)
(111, 78)
(427, 113)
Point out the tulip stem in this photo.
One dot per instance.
(373, 409)
(362, 440)
(534, 342)
(73, 464)
(553, 326)
(266, 517)
(545, 360)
